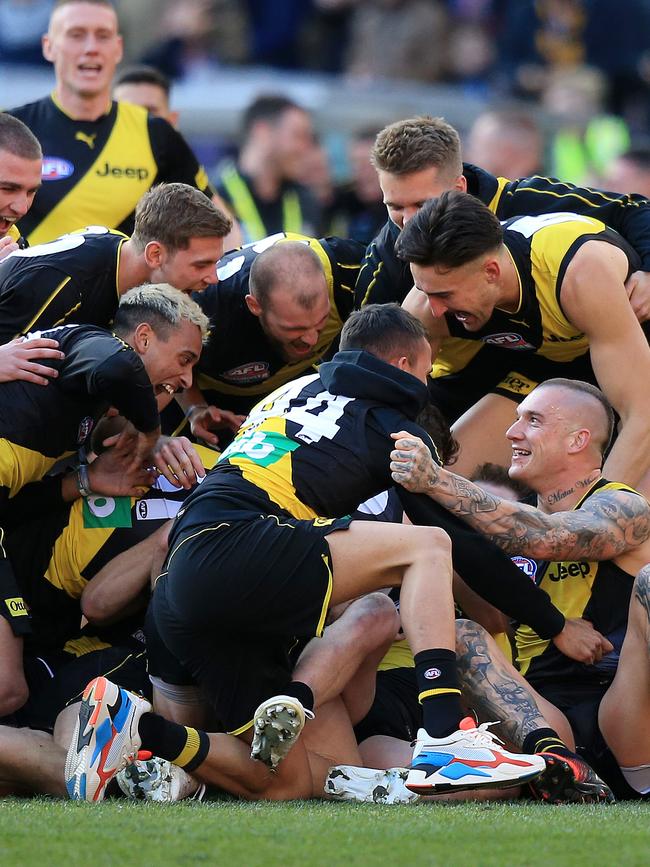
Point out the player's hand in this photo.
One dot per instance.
(204, 420)
(411, 464)
(580, 641)
(178, 461)
(19, 360)
(7, 246)
(113, 474)
(638, 291)
(136, 447)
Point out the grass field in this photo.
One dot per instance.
(50, 833)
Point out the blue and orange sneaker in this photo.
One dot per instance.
(105, 738)
(470, 758)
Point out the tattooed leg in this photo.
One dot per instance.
(625, 709)
(497, 691)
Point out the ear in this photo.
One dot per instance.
(402, 363)
(492, 270)
(253, 305)
(46, 46)
(460, 184)
(155, 254)
(172, 118)
(120, 42)
(142, 338)
(579, 440)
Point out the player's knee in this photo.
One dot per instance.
(432, 544)
(374, 619)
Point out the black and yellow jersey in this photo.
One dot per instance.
(55, 556)
(319, 446)
(383, 277)
(541, 249)
(598, 591)
(70, 280)
(294, 209)
(95, 172)
(240, 364)
(41, 424)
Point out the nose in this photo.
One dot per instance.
(21, 204)
(438, 308)
(408, 214)
(310, 337)
(186, 378)
(210, 275)
(514, 431)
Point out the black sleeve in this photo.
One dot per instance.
(112, 370)
(175, 159)
(629, 214)
(12, 604)
(34, 298)
(486, 569)
(382, 276)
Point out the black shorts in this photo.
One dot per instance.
(57, 680)
(396, 711)
(231, 604)
(580, 703)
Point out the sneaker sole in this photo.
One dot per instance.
(557, 785)
(277, 725)
(436, 788)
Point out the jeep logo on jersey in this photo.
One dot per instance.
(528, 567)
(508, 340)
(85, 426)
(56, 169)
(253, 371)
(109, 171)
(560, 571)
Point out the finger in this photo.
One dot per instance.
(205, 434)
(40, 369)
(606, 646)
(33, 377)
(400, 435)
(39, 343)
(36, 352)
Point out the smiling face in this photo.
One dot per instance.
(19, 180)
(469, 292)
(189, 270)
(405, 194)
(84, 45)
(169, 360)
(293, 328)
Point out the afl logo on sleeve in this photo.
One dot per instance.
(528, 567)
(56, 168)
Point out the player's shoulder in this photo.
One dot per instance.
(32, 111)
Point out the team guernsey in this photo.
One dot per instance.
(73, 279)
(241, 364)
(383, 277)
(97, 171)
(541, 249)
(41, 425)
(598, 591)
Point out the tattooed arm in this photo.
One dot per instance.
(609, 524)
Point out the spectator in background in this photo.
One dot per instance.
(506, 143)
(263, 189)
(22, 23)
(146, 86)
(630, 172)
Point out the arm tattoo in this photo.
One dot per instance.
(490, 688)
(609, 524)
(642, 595)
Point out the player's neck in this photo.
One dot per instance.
(510, 292)
(266, 181)
(132, 270)
(564, 491)
(80, 107)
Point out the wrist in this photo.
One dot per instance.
(83, 480)
(193, 407)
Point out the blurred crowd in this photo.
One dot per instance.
(579, 68)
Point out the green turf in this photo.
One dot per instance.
(49, 833)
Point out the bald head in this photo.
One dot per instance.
(291, 267)
(582, 406)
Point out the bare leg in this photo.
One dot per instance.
(497, 691)
(32, 760)
(357, 640)
(13, 687)
(625, 709)
(481, 433)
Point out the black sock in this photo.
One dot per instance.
(181, 745)
(302, 692)
(438, 691)
(545, 741)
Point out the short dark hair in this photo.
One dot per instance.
(384, 330)
(173, 214)
(437, 426)
(449, 231)
(285, 263)
(581, 387)
(270, 108)
(498, 475)
(143, 75)
(418, 143)
(17, 139)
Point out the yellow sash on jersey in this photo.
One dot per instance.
(124, 170)
(13, 233)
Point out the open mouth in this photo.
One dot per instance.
(165, 387)
(520, 453)
(92, 68)
(5, 224)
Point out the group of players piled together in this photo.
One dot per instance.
(237, 533)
